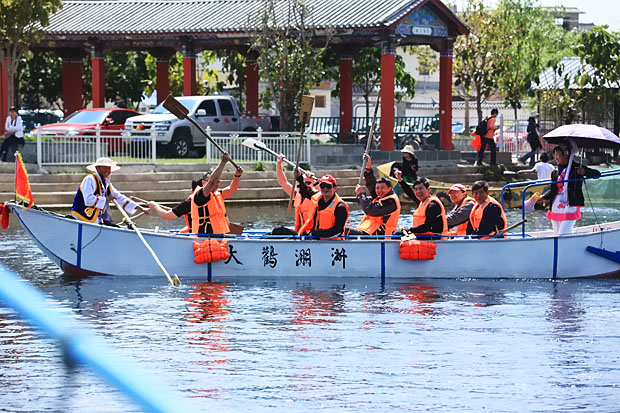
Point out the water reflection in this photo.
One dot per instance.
(316, 306)
(564, 311)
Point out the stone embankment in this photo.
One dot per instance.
(170, 183)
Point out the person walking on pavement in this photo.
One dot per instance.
(488, 140)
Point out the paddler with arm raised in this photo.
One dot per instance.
(206, 204)
(91, 202)
(329, 213)
(429, 218)
(302, 202)
(381, 209)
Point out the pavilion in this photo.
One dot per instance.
(164, 27)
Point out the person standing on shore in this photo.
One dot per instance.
(532, 140)
(488, 139)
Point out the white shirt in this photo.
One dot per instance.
(16, 127)
(88, 187)
(543, 170)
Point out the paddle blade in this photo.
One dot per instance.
(175, 281)
(175, 107)
(251, 143)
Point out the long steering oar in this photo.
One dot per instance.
(304, 117)
(260, 146)
(371, 133)
(176, 282)
(516, 224)
(177, 109)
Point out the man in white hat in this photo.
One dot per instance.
(91, 202)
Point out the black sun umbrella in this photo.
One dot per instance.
(584, 136)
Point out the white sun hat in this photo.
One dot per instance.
(103, 161)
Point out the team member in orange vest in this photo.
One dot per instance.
(429, 218)
(381, 209)
(458, 218)
(329, 213)
(487, 216)
(166, 212)
(302, 202)
(206, 204)
(91, 202)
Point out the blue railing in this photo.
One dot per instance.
(86, 349)
(529, 184)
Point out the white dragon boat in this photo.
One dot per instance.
(80, 247)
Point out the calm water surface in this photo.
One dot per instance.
(322, 345)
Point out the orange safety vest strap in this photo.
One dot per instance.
(461, 229)
(325, 218)
(478, 212)
(371, 225)
(419, 215)
(217, 213)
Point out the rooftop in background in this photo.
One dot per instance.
(571, 66)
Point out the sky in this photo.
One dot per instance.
(595, 11)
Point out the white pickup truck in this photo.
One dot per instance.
(177, 137)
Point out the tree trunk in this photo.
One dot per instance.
(466, 131)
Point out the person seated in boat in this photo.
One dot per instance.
(487, 216)
(409, 166)
(381, 208)
(92, 199)
(329, 213)
(205, 206)
(458, 217)
(302, 202)
(565, 202)
(429, 218)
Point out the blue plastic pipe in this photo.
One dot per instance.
(87, 349)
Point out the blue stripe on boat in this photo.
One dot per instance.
(79, 247)
(383, 262)
(209, 272)
(555, 257)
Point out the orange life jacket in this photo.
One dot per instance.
(461, 229)
(210, 250)
(419, 215)
(323, 219)
(371, 225)
(302, 210)
(478, 211)
(417, 250)
(217, 213)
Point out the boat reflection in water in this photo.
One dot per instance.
(207, 311)
(316, 306)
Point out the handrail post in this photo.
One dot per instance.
(97, 141)
(39, 149)
(308, 159)
(207, 146)
(153, 146)
(259, 137)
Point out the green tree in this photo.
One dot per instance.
(126, 77)
(40, 80)
(525, 43)
(287, 58)
(600, 49)
(20, 27)
(474, 71)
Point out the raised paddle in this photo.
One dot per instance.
(177, 109)
(304, 117)
(260, 146)
(371, 133)
(516, 224)
(175, 282)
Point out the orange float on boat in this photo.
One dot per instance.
(210, 250)
(415, 250)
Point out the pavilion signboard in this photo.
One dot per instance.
(422, 22)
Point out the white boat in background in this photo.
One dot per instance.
(80, 247)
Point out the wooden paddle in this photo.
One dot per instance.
(371, 133)
(177, 109)
(304, 117)
(516, 224)
(260, 146)
(175, 282)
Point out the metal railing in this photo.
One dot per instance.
(285, 143)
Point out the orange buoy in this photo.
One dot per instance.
(210, 250)
(415, 250)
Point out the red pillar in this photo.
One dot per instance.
(251, 86)
(71, 85)
(445, 101)
(162, 81)
(346, 96)
(388, 59)
(189, 75)
(98, 63)
(4, 97)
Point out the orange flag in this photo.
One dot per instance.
(22, 185)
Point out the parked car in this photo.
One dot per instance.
(178, 137)
(83, 123)
(458, 128)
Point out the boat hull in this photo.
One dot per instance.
(92, 248)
